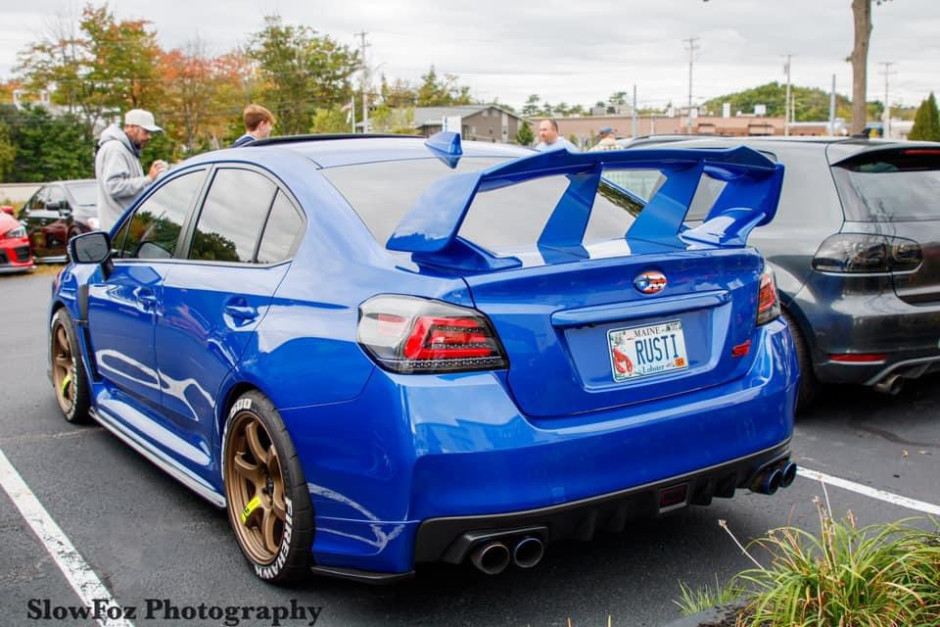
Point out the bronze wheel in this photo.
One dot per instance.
(256, 488)
(267, 497)
(68, 373)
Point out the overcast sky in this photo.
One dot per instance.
(578, 51)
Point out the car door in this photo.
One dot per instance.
(214, 300)
(122, 308)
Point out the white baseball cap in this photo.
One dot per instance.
(143, 119)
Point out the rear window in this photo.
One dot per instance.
(503, 219)
(897, 186)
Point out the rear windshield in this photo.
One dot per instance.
(899, 186)
(499, 220)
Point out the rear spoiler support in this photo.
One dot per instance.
(749, 199)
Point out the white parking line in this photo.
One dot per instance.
(79, 574)
(881, 495)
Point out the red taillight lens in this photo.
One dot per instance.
(768, 305)
(865, 253)
(414, 335)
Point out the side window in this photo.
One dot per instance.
(38, 201)
(153, 231)
(281, 232)
(232, 216)
(57, 198)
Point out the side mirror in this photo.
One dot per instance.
(7, 209)
(93, 247)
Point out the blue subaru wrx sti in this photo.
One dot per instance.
(382, 351)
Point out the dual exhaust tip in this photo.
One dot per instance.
(772, 478)
(495, 556)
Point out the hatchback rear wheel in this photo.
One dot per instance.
(809, 385)
(268, 502)
(68, 371)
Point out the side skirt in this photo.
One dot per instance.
(160, 460)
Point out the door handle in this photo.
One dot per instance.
(146, 299)
(241, 312)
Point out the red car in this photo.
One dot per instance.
(15, 252)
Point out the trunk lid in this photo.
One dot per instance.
(583, 336)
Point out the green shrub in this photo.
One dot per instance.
(875, 576)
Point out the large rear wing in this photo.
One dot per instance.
(748, 199)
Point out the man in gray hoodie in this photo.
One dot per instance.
(120, 177)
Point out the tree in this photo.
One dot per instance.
(106, 67)
(926, 121)
(7, 152)
(444, 92)
(531, 106)
(861, 14)
(525, 136)
(47, 147)
(302, 72)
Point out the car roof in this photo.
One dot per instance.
(328, 151)
(838, 148)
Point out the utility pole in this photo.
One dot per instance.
(633, 125)
(832, 108)
(786, 108)
(886, 121)
(692, 48)
(365, 80)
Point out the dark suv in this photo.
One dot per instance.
(856, 249)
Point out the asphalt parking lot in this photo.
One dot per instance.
(154, 545)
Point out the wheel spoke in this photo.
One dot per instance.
(277, 501)
(272, 464)
(247, 470)
(267, 531)
(62, 340)
(254, 443)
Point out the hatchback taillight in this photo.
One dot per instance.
(852, 253)
(768, 305)
(414, 335)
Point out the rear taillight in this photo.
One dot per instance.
(864, 253)
(768, 305)
(414, 335)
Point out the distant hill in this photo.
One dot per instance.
(811, 103)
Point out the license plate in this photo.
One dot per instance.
(643, 351)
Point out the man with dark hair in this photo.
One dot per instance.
(550, 139)
(258, 124)
(120, 177)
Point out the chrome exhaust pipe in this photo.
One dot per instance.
(787, 474)
(528, 552)
(491, 558)
(890, 385)
(767, 481)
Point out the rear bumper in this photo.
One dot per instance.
(880, 324)
(440, 539)
(418, 461)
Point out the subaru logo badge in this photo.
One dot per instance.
(650, 282)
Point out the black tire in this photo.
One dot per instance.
(69, 379)
(266, 494)
(809, 385)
